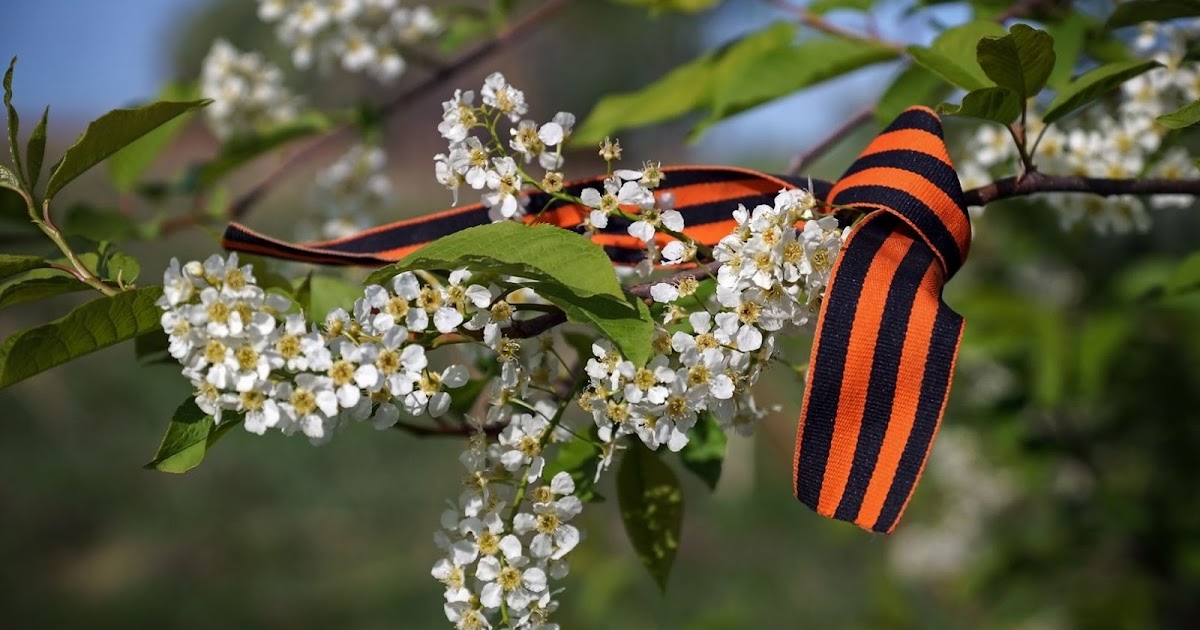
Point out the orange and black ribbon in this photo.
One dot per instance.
(884, 351)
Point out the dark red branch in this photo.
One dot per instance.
(1037, 182)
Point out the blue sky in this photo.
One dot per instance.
(84, 57)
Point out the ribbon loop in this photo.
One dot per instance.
(884, 351)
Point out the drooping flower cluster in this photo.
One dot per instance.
(247, 92)
(366, 36)
(352, 190)
(509, 532)
(771, 280)
(477, 156)
(245, 354)
(1124, 142)
(973, 494)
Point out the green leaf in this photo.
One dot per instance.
(110, 133)
(1021, 61)
(14, 122)
(98, 225)
(122, 268)
(326, 293)
(463, 30)
(580, 459)
(651, 502)
(684, 89)
(189, 435)
(953, 54)
(1134, 13)
(1092, 85)
(33, 289)
(95, 325)
(821, 7)
(9, 180)
(1185, 116)
(682, 6)
(240, 150)
(571, 272)
(745, 81)
(627, 324)
(915, 85)
(1069, 34)
(13, 264)
(1185, 277)
(996, 104)
(705, 451)
(35, 149)
(539, 252)
(126, 167)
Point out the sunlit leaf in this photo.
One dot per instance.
(1185, 116)
(953, 54)
(1092, 85)
(996, 104)
(189, 435)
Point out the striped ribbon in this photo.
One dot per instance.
(884, 351)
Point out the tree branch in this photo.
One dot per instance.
(1037, 182)
(801, 160)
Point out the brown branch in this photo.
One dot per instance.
(818, 23)
(699, 272)
(1037, 182)
(801, 160)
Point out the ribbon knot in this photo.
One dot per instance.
(883, 354)
(884, 350)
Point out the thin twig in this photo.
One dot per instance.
(801, 160)
(242, 204)
(819, 23)
(1037, 182)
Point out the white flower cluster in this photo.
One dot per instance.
(1123, 143)
(352, 190)
(246, 355)
(247, 92)
(509, 532)
(771, 280)
(366, 36)
(487, 165)
(974, 493)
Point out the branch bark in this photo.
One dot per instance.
(1036, 182)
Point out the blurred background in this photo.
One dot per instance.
(1062, 492)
